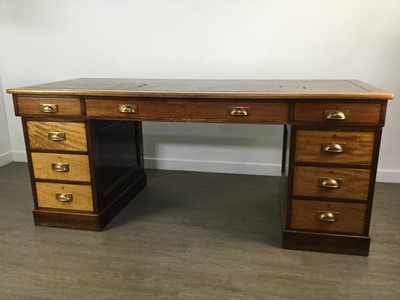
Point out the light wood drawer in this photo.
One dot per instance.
(319, 146)
(50, 195)
(331, 182)
(334, 112)
(48, 106)
(61, 166)
(349, 217)
(45, 135)
(214, 111)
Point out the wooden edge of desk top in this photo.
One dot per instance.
(233, 89)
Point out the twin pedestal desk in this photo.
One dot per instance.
(85, 152)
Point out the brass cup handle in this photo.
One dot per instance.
(327, 216)
(64, 197)
(332, 147)
(330, 183)
(49, 108)
(56, 136)
(336, 115)
(60, 167)
(127, 109)
(239, 110)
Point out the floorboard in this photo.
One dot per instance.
(189, 236)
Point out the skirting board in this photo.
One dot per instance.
(224, 167)
(6, 158)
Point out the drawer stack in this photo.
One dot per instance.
(60, 165)
(332, 176)
(330, 191)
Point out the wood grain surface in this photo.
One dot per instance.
(82, 196)
(29, 106)
(358, 146)
(75, 135)
(78, 166)
(354, 182)
(350, 218)
(190, 110)
(363, 113)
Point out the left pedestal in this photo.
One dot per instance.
(83, 172)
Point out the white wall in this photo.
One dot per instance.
(5, 146)
(48, 40)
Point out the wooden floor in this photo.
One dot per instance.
(189, 236)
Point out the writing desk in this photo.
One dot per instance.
(85, 152)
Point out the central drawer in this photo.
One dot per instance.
(56, 166)
(217, 111)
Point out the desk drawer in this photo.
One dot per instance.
(48, 106)
(64, 196)
(328, 216)
(61, 166)
(57, 136)
(342, 147)
(214, 111)
(338, 113)
(331, 182)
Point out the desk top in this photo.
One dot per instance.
(174, 88)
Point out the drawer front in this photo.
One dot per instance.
(64, 196)
(47, 106)
(61, 166)
(244, 112)
(328, 216)
(343, 147)
(57, 136)
(337, 113)
(331, 182)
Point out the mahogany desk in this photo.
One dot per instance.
(84, 144)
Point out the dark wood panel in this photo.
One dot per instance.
(332, 243)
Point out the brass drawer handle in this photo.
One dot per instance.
(60, 167)
(128, 109)
(330, 183)
(336, 115)
(49, 108)
(327, 216)
(332, 147)
(56, 136)
(64, 197)
(239, 110)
